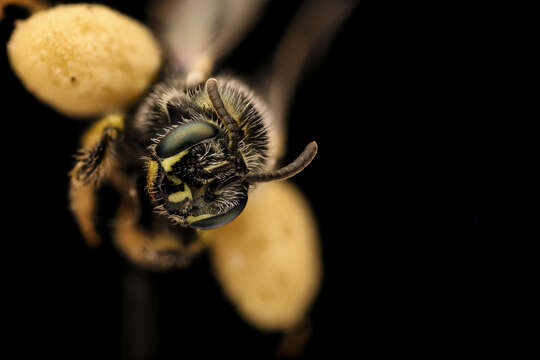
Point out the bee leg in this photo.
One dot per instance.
(83, 206)
(31, 5)
(160, 249)
(97, 153)
(93, 163)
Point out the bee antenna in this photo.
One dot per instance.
(288, 171)
(231, 125)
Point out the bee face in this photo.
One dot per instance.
(209, 145)
(194, 176)
(192, 179)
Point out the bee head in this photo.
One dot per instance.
(198, 174)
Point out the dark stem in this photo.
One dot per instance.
(139, 317)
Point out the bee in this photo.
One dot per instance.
(201, 143)
(201, 161)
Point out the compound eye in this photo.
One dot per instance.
(220, 220)
(184, 137)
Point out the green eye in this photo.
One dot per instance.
(219, 220)
(184, 137)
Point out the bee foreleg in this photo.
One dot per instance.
(93, 163)
(159, 249)
(83, 206)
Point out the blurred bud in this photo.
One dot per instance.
(83, 59)
(268, 260)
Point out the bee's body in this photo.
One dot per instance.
(193, 148)
(197, 174)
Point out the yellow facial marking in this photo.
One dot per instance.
(180, 195)
(167, 163)
(174, 179)
(192, 219)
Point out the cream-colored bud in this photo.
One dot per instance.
(84, 60)
(268, 259)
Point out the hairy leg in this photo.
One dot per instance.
(161, 248)
(94, 161)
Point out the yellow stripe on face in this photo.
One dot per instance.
(180, 195)
(174, 179)
(168, 163)
(191, 219)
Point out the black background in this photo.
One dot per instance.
(398, 108)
